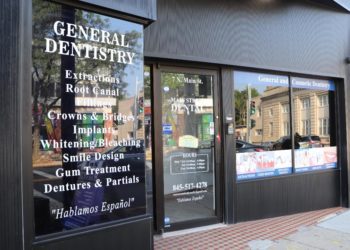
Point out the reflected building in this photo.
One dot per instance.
(272, 116)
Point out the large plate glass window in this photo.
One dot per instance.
(314, 123)
(188, 147)
(87, 118)
(263, 129)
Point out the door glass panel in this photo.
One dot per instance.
(188, 147)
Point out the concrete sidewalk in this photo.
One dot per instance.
(329, 234)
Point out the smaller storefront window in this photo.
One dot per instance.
(264, 143)
(317, 141)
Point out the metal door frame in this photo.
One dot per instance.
(158, 181)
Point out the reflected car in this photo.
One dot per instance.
(281, 143)
(310, 141)
(268, 145)
(243, 147)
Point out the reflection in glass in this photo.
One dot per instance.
(263, 126)
(148, 136)
(313, 109)
(188, 146)
(87, 118)
(263, 142)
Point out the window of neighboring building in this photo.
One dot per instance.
(306, 127)
(323, 100)
(271, 112)
(285, 108)
(259, 112)
(323, 126)
(286, 128)
(305, 103)
(271, 128)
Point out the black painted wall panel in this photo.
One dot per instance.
(229, 157)
(345, 143)
(127, 236)
(287, 195)
(9, 173)
(293, 36)
(10, 139)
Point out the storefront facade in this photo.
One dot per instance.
(148, 117)
(265, 63)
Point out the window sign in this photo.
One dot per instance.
(87, 118)
(317, 145)
(263, 141)
(312, 84)
(261, 79)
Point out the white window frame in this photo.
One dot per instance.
(285, 108)
(323, 128)
(323, 100)
(306, 127)
(305, 103)
(271, 129)
(286, 128)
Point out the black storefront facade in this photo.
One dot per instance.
(154, 116)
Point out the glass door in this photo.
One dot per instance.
(189, 140)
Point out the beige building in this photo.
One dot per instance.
(272, 116)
